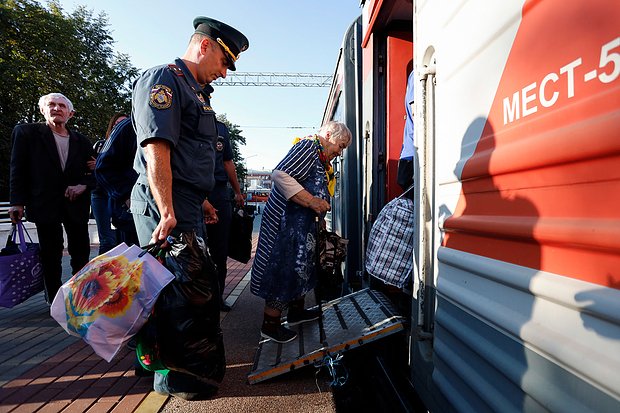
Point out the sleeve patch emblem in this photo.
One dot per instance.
(161, 97)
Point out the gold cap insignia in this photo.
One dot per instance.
(231, 55)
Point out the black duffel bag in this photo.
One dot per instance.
(187, 312)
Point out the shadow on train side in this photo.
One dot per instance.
(486, 213)
(597, 298)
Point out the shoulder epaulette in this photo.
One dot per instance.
(176, 69)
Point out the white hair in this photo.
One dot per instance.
(45, 98)
(338, 131)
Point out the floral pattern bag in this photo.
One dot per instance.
(110, 299)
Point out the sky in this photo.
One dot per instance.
(285, 36)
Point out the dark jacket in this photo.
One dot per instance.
(114, 170)
(37, 179)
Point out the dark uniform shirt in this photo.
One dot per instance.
(169, 104)
(223, 152)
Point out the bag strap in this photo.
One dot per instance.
(407, 190)
(22, 240)
(12, 235)
(155, 249)
(26, 231)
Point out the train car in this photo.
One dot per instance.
(344, 105)
(518, 126)
(515, 301)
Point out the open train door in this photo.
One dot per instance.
(387, 60)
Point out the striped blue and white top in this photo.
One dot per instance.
(284, 264)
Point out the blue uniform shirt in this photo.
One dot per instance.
(169, 104)
(223, 152)
(408, 149)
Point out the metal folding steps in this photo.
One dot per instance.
(348, 322)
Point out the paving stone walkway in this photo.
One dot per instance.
(43, 369)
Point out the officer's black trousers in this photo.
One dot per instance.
(218, 236)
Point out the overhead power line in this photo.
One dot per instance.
(278, 127)
(275, 79)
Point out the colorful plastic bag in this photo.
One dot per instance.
(21, 276)
(110, 299)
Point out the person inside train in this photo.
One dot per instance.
(406, 162)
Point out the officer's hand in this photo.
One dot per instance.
(210, 213)
(16, 213)
(163, 229)
(239, 201)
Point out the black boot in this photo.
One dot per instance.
(297, 314)
(274, 330)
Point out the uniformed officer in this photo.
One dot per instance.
(176, 134)
(219, 197)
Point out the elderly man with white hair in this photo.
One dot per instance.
(50, 184)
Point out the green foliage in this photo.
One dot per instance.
(236, 139)
(44, 50)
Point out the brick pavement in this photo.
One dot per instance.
(43, 369)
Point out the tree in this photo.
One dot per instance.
(43, 50)
(236, 139)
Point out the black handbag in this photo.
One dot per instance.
(240, 240)
(332, 251)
